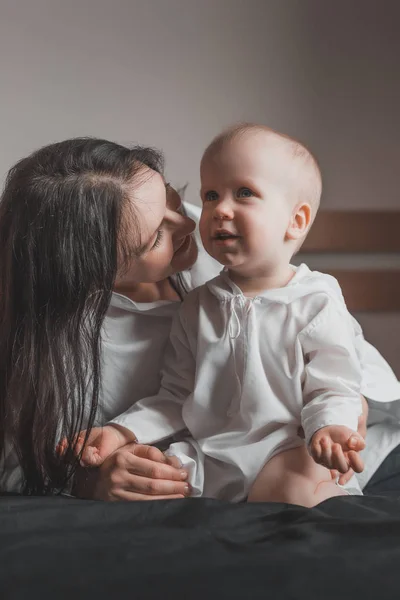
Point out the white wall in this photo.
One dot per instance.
(172, 73)
(165, 72)
(352, 74)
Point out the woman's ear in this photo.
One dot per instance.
(299, 222)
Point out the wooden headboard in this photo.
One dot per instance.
(359, 241)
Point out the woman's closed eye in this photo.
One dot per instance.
(158, 239)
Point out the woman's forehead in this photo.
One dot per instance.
(149, 199)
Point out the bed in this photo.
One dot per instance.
(344, 548)
(199, 549)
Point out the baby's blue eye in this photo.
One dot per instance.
(244, 193)
(211, 196)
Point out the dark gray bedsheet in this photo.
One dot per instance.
(59, 548)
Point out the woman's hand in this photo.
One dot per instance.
(134, 472)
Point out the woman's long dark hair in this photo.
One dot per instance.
(62, 224)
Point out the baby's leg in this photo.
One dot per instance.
(293, 477)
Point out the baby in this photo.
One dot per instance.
(260, 350)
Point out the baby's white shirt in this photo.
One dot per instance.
(242, 374)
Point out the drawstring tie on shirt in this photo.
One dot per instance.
(234, 318)
(234, 330)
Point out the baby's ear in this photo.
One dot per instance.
(299, 221)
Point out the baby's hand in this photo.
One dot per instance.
(337, 447)
(102, 442)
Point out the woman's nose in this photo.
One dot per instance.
(174, 201)
(189, 225)
(181, 224)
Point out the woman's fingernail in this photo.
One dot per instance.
(183, 475)
(353, 441)
(187, 490)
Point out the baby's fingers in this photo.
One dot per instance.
(356, 443)
(339, 461)
(355, 461)
(91, 457)
(326, 454)
(345, 477)
(62, 447)
(316, 449)
(79, 443)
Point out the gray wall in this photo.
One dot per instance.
(172, 73)
(164, 72)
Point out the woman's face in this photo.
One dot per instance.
(166, 243)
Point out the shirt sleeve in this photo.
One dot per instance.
(157, 417)
(332, 380)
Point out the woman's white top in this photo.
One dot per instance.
(242, 374)
(135, 336)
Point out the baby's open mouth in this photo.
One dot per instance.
(225, 235)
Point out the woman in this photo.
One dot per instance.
(95, 254)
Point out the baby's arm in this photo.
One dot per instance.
(331, 390)
(153, 418)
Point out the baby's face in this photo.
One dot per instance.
(246, 204)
